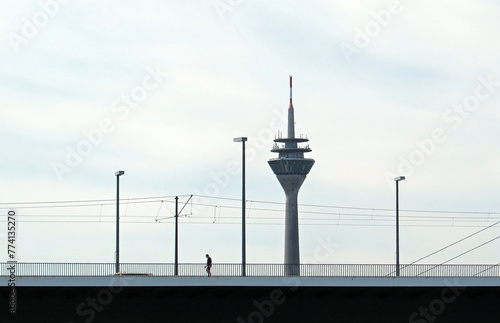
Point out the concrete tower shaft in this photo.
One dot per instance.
(291, 185)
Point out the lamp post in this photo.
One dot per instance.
(397, 179)
(118, 174)
(243, 207)
(176, 264)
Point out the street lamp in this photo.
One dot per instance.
(397, 179)
(176, 260)
(243, 207)
(118, 174)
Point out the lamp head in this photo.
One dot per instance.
(400, 178)
(240, 139)
(120, 173)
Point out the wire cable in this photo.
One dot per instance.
(42, 204)
(454, 243)
(460, 255)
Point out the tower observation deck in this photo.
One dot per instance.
(291, 169)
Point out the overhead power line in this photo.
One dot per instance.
(356, 208)
(250, 223)
(20, 204)
(159, 198)
(330, 215)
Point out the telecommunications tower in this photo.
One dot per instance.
(291, 169)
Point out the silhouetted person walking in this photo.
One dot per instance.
(209, 265)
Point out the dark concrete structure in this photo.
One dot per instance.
(253, 304)
(291, 169)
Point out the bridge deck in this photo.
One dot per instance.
(144, 281)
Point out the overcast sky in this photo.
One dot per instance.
(160, 89)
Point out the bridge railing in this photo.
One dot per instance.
(252, 270)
